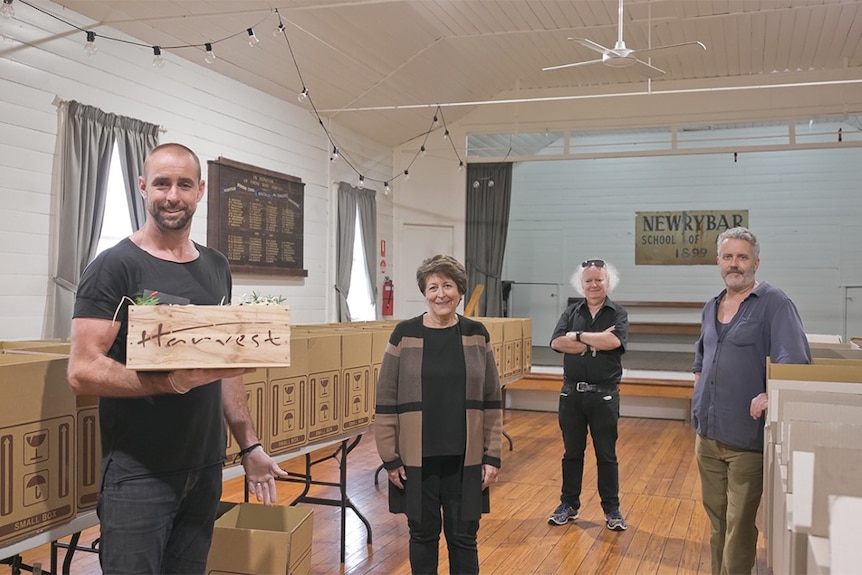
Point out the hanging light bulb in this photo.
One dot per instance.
(446, 134)
(460, 165)
(90, 47)
(406, 174)
(210, 55)
(7, 10)
(422, 149)
(252, 39)
(436, 121)
(158, 61)
(303, 96)
(334, 155)
(361, 181)
(490, 183)
(279, 31)
(476, 184)
(386, 188)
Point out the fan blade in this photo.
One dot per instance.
(670, 49)
(572, 65)
(649, 70)
(591, 45)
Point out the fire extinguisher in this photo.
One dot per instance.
(388, 296)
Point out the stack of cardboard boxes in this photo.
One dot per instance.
(813, 455)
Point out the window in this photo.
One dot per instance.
(360, 298)
(117, 224)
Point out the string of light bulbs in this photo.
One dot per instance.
(7, 10)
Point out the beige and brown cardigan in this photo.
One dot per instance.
(398, 419)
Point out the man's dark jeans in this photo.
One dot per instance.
(597, 412)
(157, 524)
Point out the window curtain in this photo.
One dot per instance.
(135, 139)
(486, 228)
(85, 147)
(350, 199)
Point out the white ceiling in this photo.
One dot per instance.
(381, 66)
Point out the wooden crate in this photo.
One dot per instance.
(207, 336)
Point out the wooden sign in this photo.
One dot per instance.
(682, 238)
(207, 336)
(255, 218)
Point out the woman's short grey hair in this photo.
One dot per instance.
(612, 274)
(739, 233)
(445, 266)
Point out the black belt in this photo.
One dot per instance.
(584, 387)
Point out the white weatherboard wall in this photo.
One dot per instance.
(804, 206)
(40, 60)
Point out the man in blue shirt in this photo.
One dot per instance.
(742, 326)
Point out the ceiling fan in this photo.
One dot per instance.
(621, 57)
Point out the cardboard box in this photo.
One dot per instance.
(254, 539)
(495, 330)
(255, 396)
(358, 402)
(513, 342)
(379, 341)
(325, 385)
(37, 444)
(207, 336)
(527, 334)
(88, 447)
(287, 401)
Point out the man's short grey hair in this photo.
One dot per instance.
(739, 233)
(611, 271)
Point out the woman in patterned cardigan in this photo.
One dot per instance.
(439, 421)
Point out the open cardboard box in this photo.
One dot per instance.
(255, 539)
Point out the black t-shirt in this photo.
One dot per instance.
(605, 367)
(444, 383)
(160, 433)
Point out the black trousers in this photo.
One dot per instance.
(597, 413)
(441, 489)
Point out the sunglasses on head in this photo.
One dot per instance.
(597, 263)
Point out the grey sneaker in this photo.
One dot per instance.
(563, 514)
(615, 520)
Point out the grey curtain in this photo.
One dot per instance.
(135, 139)
(85, 159)
(486, 227)
(350, 199)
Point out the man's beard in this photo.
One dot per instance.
(173, 223)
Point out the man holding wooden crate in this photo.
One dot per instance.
(162, 432)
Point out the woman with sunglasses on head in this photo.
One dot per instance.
(592, 334)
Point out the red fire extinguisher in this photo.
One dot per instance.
(388, 296)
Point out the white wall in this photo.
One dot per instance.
(40, 60)
(804, 205)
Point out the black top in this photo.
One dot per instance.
(605, 368)
(444, 403)
(160, 433)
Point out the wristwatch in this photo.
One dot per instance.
(578, 337)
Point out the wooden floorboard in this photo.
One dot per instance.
(659, 492)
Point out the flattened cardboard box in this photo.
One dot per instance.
(37, 445)
(207, 336)
(255, 539)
